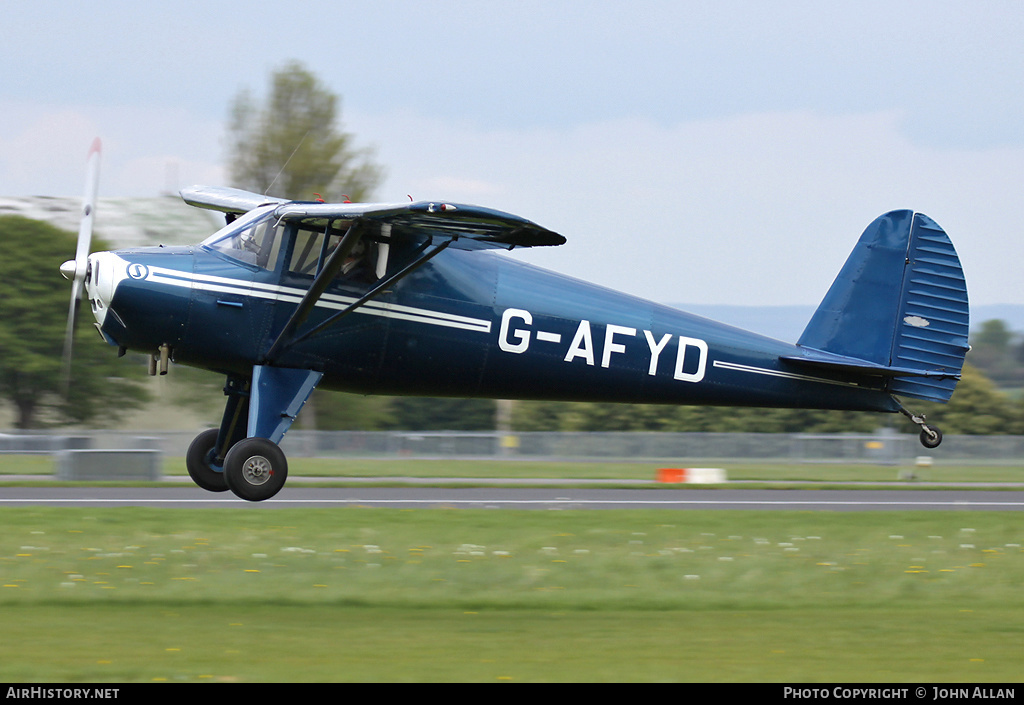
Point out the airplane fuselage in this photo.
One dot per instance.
(465, 324)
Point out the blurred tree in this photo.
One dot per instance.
(291, 146)
(976, 408)
(34, 314)
(993, 334)
(342, 411)
(432, 414)
(997, 353)
(564, 416)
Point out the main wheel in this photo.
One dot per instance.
(201, 462)
(255, 469)
(931, 437)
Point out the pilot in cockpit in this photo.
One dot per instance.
(354, 258)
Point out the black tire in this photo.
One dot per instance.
(200, 462)
(255, 469)
(931, 437)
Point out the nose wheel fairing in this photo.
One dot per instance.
(245, 457)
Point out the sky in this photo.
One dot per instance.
(726, 152)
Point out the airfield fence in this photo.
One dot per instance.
(884, 447)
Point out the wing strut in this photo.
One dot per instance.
(287, 338)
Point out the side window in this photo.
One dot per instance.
(309, 249)
(309, 246)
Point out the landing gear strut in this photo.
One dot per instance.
(243, 454)
(931, 436)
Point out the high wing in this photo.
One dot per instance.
(430, 227)
(465, 226)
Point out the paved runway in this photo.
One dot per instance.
(527, 498)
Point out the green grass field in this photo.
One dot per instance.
(359, 594)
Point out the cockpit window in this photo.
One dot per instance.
(254, 239)
(258, 238)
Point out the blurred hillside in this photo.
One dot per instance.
(123, 222)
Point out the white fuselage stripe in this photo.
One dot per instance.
(736, 367)
(272, 292)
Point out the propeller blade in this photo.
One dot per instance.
(81, 261)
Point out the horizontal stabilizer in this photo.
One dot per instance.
(823, 360)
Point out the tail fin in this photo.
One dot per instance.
(897, 309)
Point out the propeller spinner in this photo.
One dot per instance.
(75, 269)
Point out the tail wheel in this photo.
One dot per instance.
(200, 460)
(255, 469)
(931, 436)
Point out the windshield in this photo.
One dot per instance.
(254, 239)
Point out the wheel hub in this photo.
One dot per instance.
(257, 470)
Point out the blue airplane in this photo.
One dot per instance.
(413, 299)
